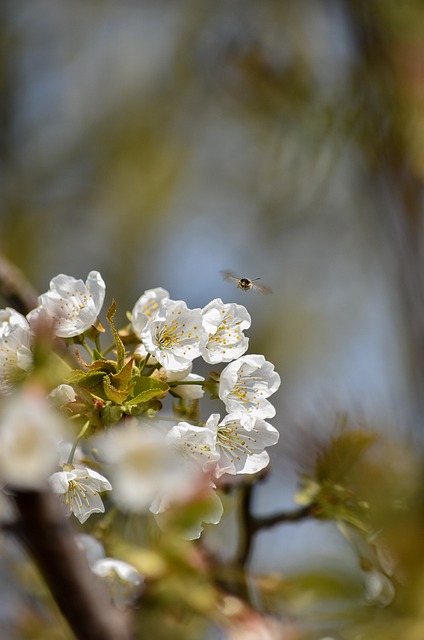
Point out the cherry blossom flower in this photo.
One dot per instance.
(194, 444)
(15, 351)
(30, 431)
(177, 338)
(124, 583)
(148, 307)
(246, 383)
(194, 458)
(140, 353)
(72, 305)
(225, 324)
(79, 490)
(240, 440)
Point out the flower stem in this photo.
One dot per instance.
(176, 383)
(144, 363)
(77, 440)
(86, 347)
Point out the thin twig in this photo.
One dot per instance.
(265, 522)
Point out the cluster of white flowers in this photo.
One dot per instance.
(150, 463)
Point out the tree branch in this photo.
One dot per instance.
(49, 538)
(250, 524)
(15, 288)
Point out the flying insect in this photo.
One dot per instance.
(244, 283)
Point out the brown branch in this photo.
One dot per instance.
(265, 522)
(82, 599)
(15, 289)
(250, 524)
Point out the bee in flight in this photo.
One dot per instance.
(244, 283)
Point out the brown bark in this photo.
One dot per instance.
(82, 599)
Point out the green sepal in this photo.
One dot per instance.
(211, 387)
(97, 355)
(110, 415)
(120, 350)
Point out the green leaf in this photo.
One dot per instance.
(112, 393)
(107, 366)
(147, 388)
(87, 379)
(121, 379)
(120, 350)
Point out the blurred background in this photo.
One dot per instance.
(161, 142)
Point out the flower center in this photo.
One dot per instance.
(78, 301)
(228, 438)
(77, 495)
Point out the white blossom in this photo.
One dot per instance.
(225, 324)
(177, 338)
(123, 581)
(140, 352)
(241, 439)
(193, 459)
(148, 307)
(79, 490)
(71, 304)
(246, 383)
(185, 391)
(15, 350)
(194, 444)
(30, 431)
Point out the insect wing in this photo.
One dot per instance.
(261, 288)
(229, 275)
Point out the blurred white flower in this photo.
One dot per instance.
(148, 307)
(207, 505)
(139, 464)
(71, 304)
(241, 440)
(15, 351)
(225, 324)
(92, 547)
(123, 581)
(379, 589)
(30, 430)
(177, 337)
(79, 490)
(246, 383)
